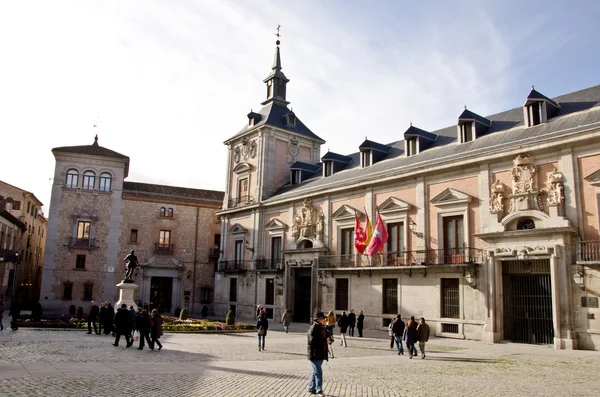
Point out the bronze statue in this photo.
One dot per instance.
(132, 263)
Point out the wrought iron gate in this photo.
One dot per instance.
(527, 301)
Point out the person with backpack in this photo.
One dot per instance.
(343, 324)
(398, 333)
(262, 325)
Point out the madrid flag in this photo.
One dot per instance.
(359, 236)
(379, 238)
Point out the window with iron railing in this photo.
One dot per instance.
(390, 295)
(341, 294)
(450, 299)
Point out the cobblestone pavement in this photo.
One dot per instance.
(72, 363)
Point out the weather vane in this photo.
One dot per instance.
(278, 35)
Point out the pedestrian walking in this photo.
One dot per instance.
(410, 337)
(330, 323)
(101, 317)
(123, 326)
(204, 311)
(142, 325)
(1, 312)
(391, 333)
(93, 317)
(351, 322)
(258, 310)
(343, 324)
(422, 335)
(262, 325)
(318, 351)
(132, 320)
(398, 333)
(156, 329)
(15, 313)
(360, 323)
(286, 319)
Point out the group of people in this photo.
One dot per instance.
(411, 333)
(132, 324)
(347, 323)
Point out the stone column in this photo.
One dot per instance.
(555, 275)
(126, 291)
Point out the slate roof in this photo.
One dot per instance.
(336, 157)
(173, 193)
(299, 165)
(414, 131)
(92, 150)
(273, 114)
(367, 144)
(468, 115)
(577, 111)
(539, 96)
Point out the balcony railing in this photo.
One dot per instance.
(164, 249)
(588, 251)
(81, 243)
(241, 201)
(269, 264)
(233, 266)
(454, 256)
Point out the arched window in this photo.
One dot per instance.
(170, 213)
(89, 180)
(162, 212)
(72, 178)
(105, 180)
(525, 223)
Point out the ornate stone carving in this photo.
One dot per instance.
(523, 174)
(293, 150)
(555, 188)
(237, 155)
(307, 224)
(253, 149)
(497, 198)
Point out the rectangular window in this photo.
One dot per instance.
(347, 248)
(341, 294)
(232, 289)
(243, 190)
(80, 262)
(270, 292)
(204, 295)
(87, 291)
(238, 255)
(411, 146)
(533, 114)
(328, 168)
(83, 230)
(396, 239)
(450, 298)
(390, 295)
(365, 158)
(16, 205)
(89, 180)
(453, 239)
(295, 177)
(276, 249)
(466, 132)
(67, 291)
(164, 239)
(105, 182)
(217, 240)
(133, 235)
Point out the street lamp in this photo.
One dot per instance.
(413, 228)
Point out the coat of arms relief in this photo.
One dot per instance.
(245, 150)
(525, 193)
(309, 222)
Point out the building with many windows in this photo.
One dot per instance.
(24, 277)
(96, 218)
(493, 222)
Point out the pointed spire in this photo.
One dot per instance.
(277, 60)
(276, 81)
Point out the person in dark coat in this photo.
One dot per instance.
(132, 317)
(156, 328)
(351, 322)
(343, 324)
(360, 323)
(36, 312)
(109, 319)
(93, 318)
(422, 335)
(142, 325)
(262, 325)
(398, 333)
(15, 313)
(317, 352)
(123, 325)
(410, 337)
(204, 311)
(101, 317)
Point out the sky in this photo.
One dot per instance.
(167, 82)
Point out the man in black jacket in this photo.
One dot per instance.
(398, 331)
(123, 325)
(93, 317)
(351, 322)
(317, 352)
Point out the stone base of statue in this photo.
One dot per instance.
(126, 290)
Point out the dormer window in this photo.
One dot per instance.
(328, 168)
(466, 132)
(365, 158)
(295, 177)
(538, 108)
(411, 147)
(250, 122)
(534, 114)
(291, 119)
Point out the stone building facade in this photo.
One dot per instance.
(96, 218)
(493, 222)
(26, 277)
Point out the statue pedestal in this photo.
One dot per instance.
(126, 291)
